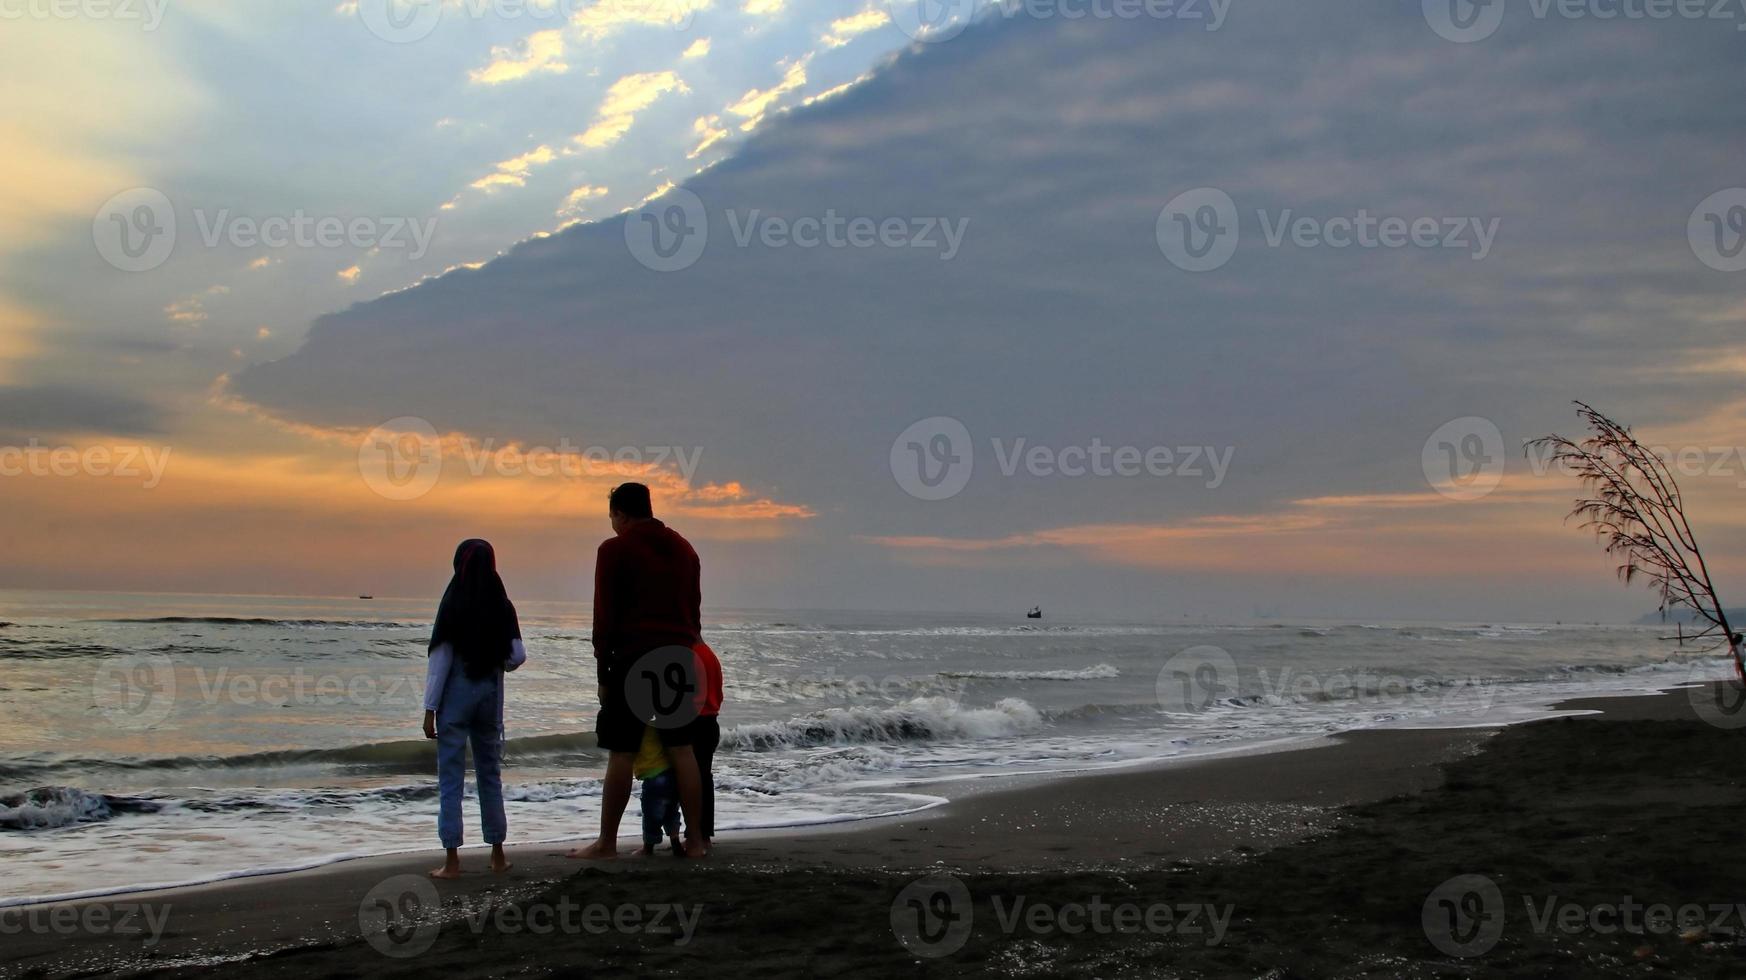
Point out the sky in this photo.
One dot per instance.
(1159, 310)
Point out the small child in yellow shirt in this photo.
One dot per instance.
(660, 794)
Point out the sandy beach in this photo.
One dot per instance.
(1324, 860)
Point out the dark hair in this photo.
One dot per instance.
(631, 500)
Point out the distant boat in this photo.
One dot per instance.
(366, 597)
(1035, 613)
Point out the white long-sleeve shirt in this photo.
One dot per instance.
(442, 659)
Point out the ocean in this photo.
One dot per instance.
(167, 739)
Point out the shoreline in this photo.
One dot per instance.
(962, 787)
(914, 792)
(1195, 812)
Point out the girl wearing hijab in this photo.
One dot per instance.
(476, 639)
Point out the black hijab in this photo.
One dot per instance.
(476, 617)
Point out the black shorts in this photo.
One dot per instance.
(663, 697)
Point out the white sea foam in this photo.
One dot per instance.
(1100, 672)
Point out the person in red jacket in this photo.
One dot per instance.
(648, 621)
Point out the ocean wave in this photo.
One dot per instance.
(917, 720)
(50, 807)
(401, 756)
(1100, 672)
(356, 624)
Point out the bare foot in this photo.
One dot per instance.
(600, 850)
(447, 872)
(694, 849)
(499, 861)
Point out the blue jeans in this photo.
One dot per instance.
(660, 808)
(471, 713)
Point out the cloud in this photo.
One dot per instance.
(1060, 320)
(607, 17)
(541, 51)
(754, 104)
(192, 310)
(514, 171)
(763, 8)
(71, 142)
(698, 49)
(350, 275)
(575, 201)
(49, 410)
(709, 132)
(627, 96)
(846, 29)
